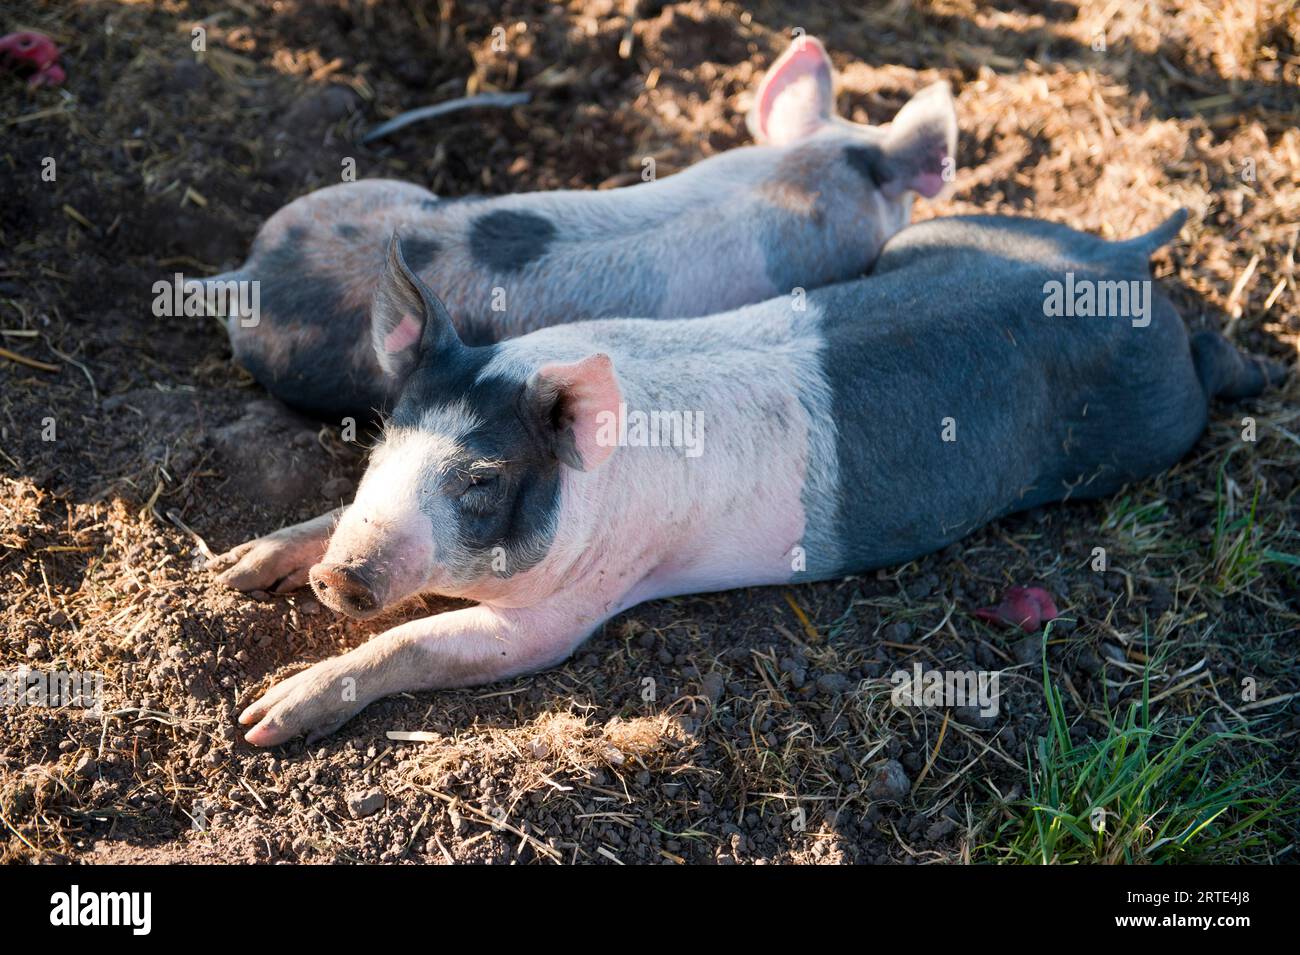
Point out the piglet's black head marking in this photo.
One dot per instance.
(408, 323)
(507, 241)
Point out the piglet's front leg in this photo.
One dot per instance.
(460, 648)
(279, 561)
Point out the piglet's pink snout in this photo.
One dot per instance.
(344, 589)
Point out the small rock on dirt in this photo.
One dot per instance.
(890, 781)
(833, 683)
(900, 631)
(365, 804)
(712, 685)
(938, 829)
(1027, 649)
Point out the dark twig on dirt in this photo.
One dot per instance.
(540, 847)
(29, 362)
(934, 753)
(484, 100)
(94, 391)
(174, 516)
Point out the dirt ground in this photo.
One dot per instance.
(767, 733)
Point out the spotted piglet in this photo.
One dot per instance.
(812, 204)
(889, 418)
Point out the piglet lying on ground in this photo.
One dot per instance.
(810, 206)
(850, 435)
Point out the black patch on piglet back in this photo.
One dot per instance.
(957, 303)
(303, 351)
(868, 162)
(347, 232)
(419, 251)
(507, 241)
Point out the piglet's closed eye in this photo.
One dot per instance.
(576, 406)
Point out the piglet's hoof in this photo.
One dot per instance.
(278, 562)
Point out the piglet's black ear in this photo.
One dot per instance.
(407, 321)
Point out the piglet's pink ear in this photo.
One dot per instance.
(576, 405)
(796, 97)
(406, 318)
(921, 144)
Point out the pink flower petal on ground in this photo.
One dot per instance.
(1025, 607)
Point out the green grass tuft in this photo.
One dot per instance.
(1240, 551)
(1148, 792)
(1140, 527)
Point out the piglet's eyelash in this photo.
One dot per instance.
(483, 471)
